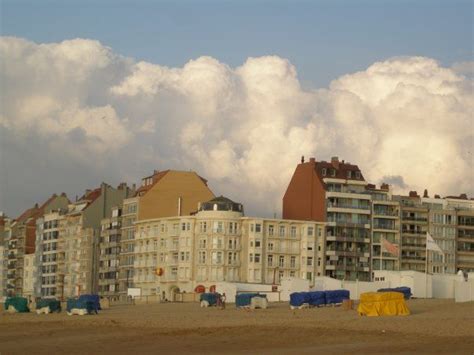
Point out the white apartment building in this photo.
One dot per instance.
(192, 253)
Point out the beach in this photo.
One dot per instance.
(434, 326)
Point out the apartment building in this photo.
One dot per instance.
(110, 235)
(49, 254)
(127, 243)
(334, 192)
(21, 241)
(192, 253)
(385, 224)
(163, 194)
(68, 256)
(464, 207)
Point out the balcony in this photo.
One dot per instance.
(342, 238)
(385, 226)
(346, 223)
(385, 213)
(414, 219)
(413, 232)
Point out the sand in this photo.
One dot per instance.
(435, 326)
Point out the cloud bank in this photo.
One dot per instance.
(76, 113)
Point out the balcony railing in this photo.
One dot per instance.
(417, 219)
(346, 205)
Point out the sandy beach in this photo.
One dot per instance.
(435, 326)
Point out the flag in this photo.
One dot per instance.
(389, 247)
(431, 244)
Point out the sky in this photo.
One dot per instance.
(98, 91)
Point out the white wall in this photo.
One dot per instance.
(231, 289)
(290, 285)
(464, 291)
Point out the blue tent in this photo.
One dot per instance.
(244, 299)
(297, 299)
(405, 290)
(336, 296)
(210, 297)
(317, 298)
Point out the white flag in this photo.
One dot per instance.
(431, 244)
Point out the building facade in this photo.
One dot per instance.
(21, 241)
(335, 192)
(192, 253)
(109, 244)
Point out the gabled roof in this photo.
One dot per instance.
(341, 169)
(157, 176)
(91, 196)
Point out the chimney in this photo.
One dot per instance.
(413, 194)
(302, 159)
(437, 196)
(312, 160)
(425, 193)
(384, 186)
(335, 162)
(463, 196)
(371, 186)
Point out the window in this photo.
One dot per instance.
(309, 262)
(217, 257)
(203, 227)
(218, 227)
(202, 243)
(270, 246)
(270, 229)
(257, 243)
(323, 171)
(282, 231)
(349, 174)
(258, 228)
(251, 258)
(270, 260)
(293, 231)
(333, 172)
(309, 276)
(257, 258)
(293, 261)
(310, 231)
(252, 227)
(183, 226)
(202, 257)
(281, 261)
(357, 174)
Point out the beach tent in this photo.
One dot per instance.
(48, 306)
(17, 304)
(245, 299)
(209, 299)
(382, 304)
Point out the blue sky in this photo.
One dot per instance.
(323, 39)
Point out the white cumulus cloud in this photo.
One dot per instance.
(79, 104)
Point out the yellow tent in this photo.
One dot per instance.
(382, 304)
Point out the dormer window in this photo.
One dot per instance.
(323, 171)
(349, 174)
(333, 172)
(357, 174)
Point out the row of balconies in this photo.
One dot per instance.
(348, 253)
(348, 239)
